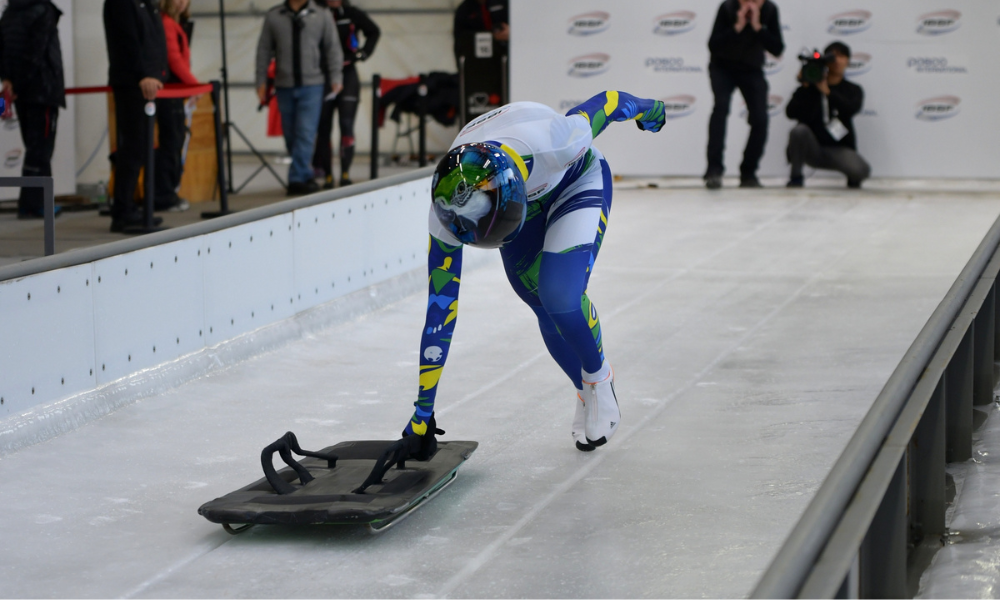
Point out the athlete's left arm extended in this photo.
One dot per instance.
(610, 106)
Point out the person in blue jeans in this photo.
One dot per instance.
(302, 40)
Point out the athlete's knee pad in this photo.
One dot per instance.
(347, 141)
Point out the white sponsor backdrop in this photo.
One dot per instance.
(64, 159)
(928, 70)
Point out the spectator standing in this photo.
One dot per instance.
(296, 34)
(825, 136)
(137, 68)
(170, 116)
(350, 20)
(31, 70)
(475, 16)
(743, 30)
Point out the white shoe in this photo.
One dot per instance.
(580, 426)
(600, 405)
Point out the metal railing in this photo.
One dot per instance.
(48, 204)
(880, 513)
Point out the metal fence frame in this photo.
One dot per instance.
(48, 206)
(883, 502)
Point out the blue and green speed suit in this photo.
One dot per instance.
(548, 264)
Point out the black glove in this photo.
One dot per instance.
(428, 441)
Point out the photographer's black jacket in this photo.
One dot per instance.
(845, 101)
(137, 46)
(745, 50)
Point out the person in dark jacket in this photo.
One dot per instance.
(32, 73)
(743, 30)
(137, 68)
(474, 16)
(825, 137)
(350, 21)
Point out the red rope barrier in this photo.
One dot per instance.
(170, 90)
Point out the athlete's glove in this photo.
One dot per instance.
(653, 119)
(428, 439)
(360, 56)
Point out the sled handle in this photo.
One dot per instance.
(284, 446)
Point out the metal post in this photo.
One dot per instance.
(150, 160)
(422, 116)
(505, 82)
(376, 107)
(462, 108)
(985, 326)
(883, 552)
(220, 173)
(50, 216)
(927, 475)
(225, 90)
(958, 400)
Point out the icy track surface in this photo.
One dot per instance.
(750, 331)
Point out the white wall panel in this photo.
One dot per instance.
(249, 277)
(46, 338)
(148, 307)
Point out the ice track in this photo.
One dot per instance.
(750, 332)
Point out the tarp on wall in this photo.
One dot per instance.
(927, 68)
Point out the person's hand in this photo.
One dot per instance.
(502, 33)
(428, 432)
(753, 10)
(653, 119)
(741, 18)
(336, 88)
(262, 93)
(824, 87)
(149, 87)
(8, 88)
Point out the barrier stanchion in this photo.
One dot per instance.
(221, 175)
(376, 107)
(422, 116)
(150, 182)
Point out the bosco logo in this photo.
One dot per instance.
(938, 22)
(850, 22)
(589, 23)
(772, 64)
(936, 109)
(861, 63)
(678, 106)
(589, 65)
(673, 23)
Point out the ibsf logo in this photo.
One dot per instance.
(847, 23)
(859, 64)
(772, 64)
(936, 109)
(670, 64)
(936, 23)
(589, 65)
(678, 106)
(589, 23)
(673, 23)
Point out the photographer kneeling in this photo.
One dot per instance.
(825, 106)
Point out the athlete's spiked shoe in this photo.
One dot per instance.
(580, 426)
(600, 405)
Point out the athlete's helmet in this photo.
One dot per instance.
(479, 195)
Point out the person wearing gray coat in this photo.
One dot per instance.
(302, 39)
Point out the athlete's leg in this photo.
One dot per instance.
(348, 110)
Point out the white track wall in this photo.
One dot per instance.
(927, 68)
(72, 330)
